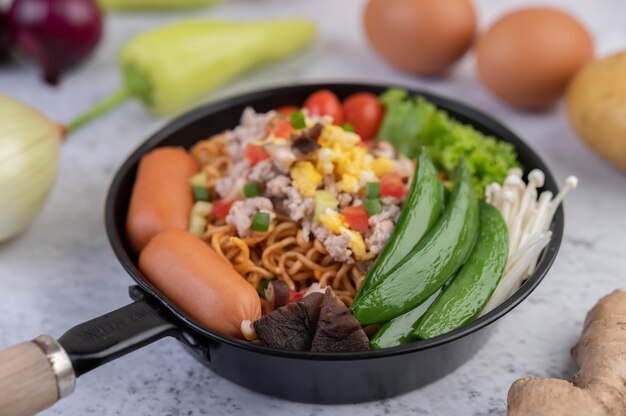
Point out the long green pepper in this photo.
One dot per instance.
(172, 67)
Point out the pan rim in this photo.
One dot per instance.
(451, 105)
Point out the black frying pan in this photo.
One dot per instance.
(356, 377)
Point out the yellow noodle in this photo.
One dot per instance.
(282, 252)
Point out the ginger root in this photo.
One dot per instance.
(599, 387)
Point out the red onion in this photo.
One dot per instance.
(5, 37)
(59, 34)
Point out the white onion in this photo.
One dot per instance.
(29, 158)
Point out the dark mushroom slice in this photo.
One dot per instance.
(291, 327)
(277, 293)
(337, 329)
(306, 141)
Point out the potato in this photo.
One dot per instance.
(596, 104)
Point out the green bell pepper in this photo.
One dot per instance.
(172, 67)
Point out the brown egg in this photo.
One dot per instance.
(424, 37)
(527, 57)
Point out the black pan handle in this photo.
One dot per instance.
(103, 339)
(36, 374)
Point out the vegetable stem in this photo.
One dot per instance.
(103, 107)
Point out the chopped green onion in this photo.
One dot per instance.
(372, 190)
(261, 221)
(198, 183)
(297, 120)
(200, 193)
(251, 190)
(348, 127)
(262, 286)
(373, 207)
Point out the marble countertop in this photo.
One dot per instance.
(62, 272)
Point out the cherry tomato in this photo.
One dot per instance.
(286, 110)
(281, 127)
(325, 102)
(356, 217)
(221, 208)
(364, 112)
(391, 185)
(255, 154)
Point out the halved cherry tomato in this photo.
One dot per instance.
(391, 185)
(286, 110)
(281, 127)
(364, 112)
(325, 102)
(255, 154)
(356, 217)
(294, 296)
(221, 208)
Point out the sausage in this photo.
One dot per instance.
(201, 283)
(162, 197)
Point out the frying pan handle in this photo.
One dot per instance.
(103, 339)
(34, 375)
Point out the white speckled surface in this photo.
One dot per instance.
(62, 272)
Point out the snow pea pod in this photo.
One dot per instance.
(430, 263)
(401, 330)
(421, 210)
(467, 295)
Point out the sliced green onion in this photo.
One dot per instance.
(297, 120)
(262, 286)
(251, 190)
(348, 127)
(198, 183)
(373, 207)
(372, 190)
(200, 193)
(261, 221)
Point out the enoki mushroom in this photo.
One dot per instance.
(528, 216)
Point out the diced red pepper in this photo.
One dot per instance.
(255, 154)
(286, 110)
(391, 185)
(356, 217)
(294, 296)
(221, 208)
(281, 127)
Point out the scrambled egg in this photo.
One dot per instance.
(357, 245)
(335, 135)
(341, 154)
(305, 178)
(333, 220)
(382, 165)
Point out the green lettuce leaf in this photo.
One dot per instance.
(411, 123)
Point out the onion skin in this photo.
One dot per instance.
(29, 159)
